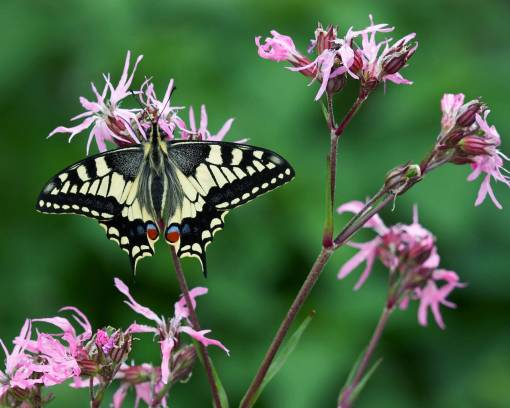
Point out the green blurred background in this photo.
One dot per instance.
(50, 52)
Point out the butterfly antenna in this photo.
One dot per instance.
(138, 101)
(167, 102)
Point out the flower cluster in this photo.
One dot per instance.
(338, 58)
(108, 121)
(176, 359)
(410, 254)
(98, 358)
(467, 138)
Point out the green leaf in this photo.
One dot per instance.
(221, 390)
(355, 393)
(365, 379)
(282, 356)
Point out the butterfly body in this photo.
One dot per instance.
(179, 189)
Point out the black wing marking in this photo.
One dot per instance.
(216, 177)
(227, 174)
(104, 187)
(131, 236)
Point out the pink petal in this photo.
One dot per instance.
(200, 336)
(167, 346)
(181, 308)
(141, 328)
(144, 311)
(120, 395)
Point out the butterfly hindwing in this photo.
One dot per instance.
(104, 187)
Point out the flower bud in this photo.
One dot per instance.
(476, 145)
(397, 180)
(121, 347)
(357, 64)
(88, 367)
(336, 84)
(467, 118)
(324, 39)
(136, 374)
(183, 362)
(452, 138)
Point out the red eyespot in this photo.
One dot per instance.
(152, 231)
(172, 234)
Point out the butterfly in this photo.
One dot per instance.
(181, 189)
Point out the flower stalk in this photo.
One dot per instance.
(196, 326)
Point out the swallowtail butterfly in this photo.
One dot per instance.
(181, 189)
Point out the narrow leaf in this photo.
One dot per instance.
(221, 390)
(282, 356)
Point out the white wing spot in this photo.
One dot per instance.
(258, 154)
(265, 185)
(82, 173)
(103, 189)
(250, 170)
(62, 177)
(84, 188)
(215, 155)
(101, 167)
(239, 173)
(270, 165)
(237, 156)
(258, 165)
(196, 248)
(218, 175)
(287, 172)
(245, 196)
(116, 186)
(74, 189)
(254, 190)
(230, 176)
(235, 201)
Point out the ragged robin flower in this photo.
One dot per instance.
(371, 62)
(168, 330)
(410, 254)
(467, 138)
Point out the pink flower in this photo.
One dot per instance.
(281, 48)
(410, 254)
(109, 122)
(384, 65)
(451, 105)
(338, 56)
(432, 296)
(19, 366)
(168, 330)
(168, 120)
(64, 350)
(491, 163)
(202, 133)
(145, 390)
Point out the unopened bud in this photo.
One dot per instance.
(467, 118)
(88, 367)
(397, 180)
(183, 363)
(121, 347)
(324, 39)
(357, 63)
(136, 374)
(336, 84)
(453, 137)
(476, 145)
(395, 64)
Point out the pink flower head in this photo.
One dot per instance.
(109, 122)
(451, 105)
(202, 132)
(406, 250)
(432, 296)
(63, 350)
(339, 56)
(168, 329)
(163, 111)
(490, 162)
(385, 65)
(19, 366)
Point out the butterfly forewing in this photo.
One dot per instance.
(104, 187)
